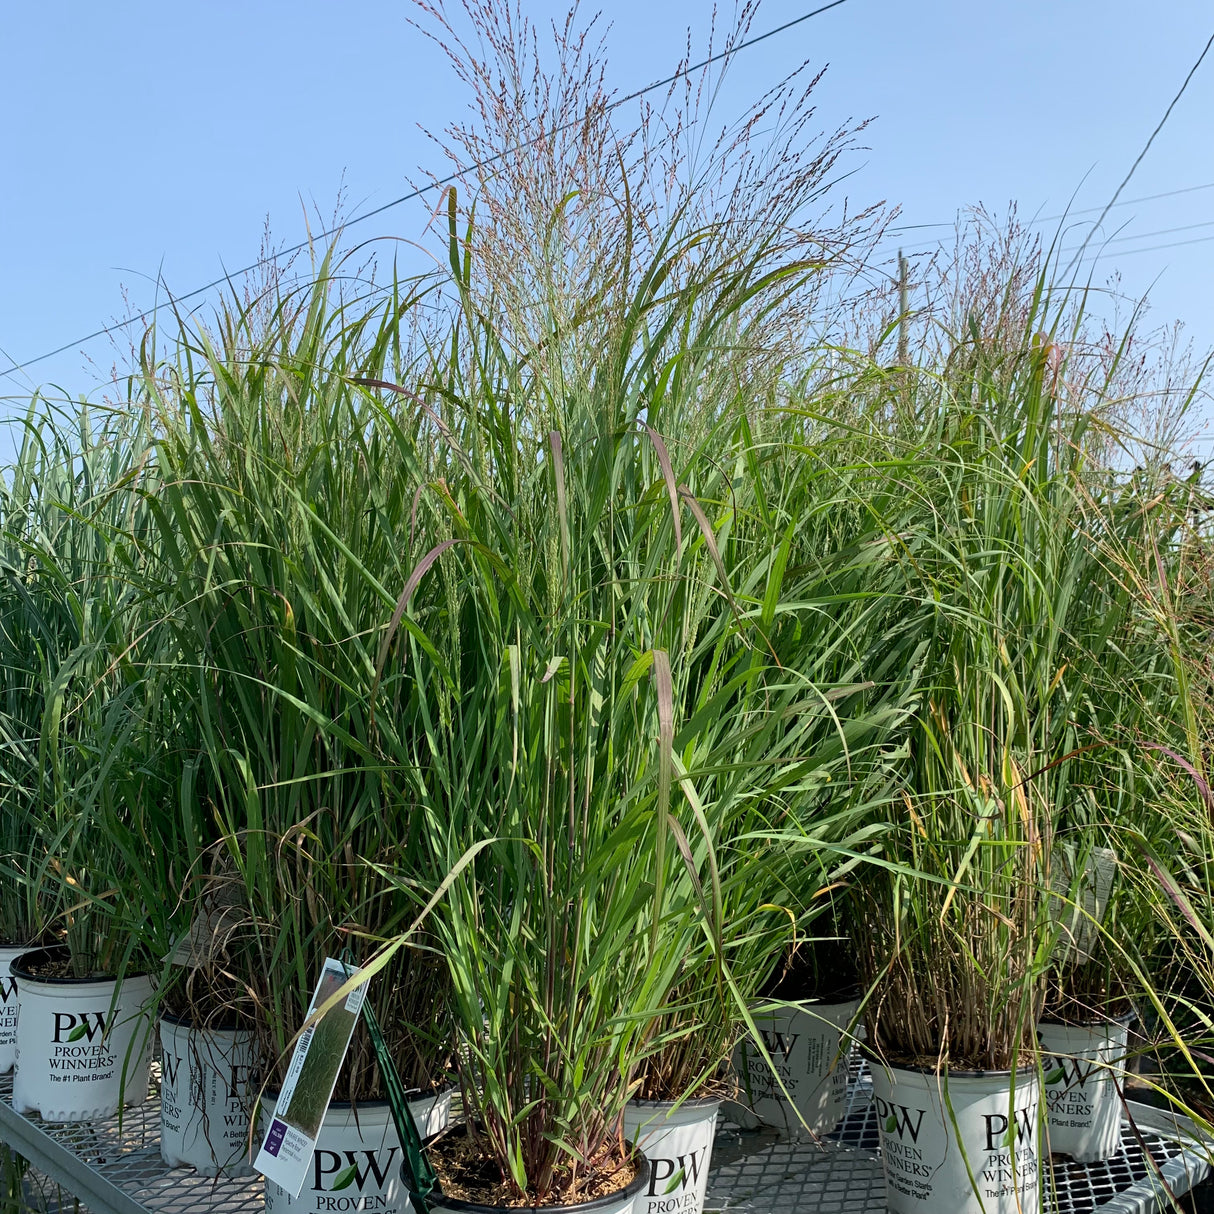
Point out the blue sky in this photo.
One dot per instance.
(143, 139)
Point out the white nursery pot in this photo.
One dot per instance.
(80, 1049)
(8, 1007)
(678, 1144)
(809, 1050)
(998, 1131)
(357, 1161)
(206, 1093)
(1079, 1063)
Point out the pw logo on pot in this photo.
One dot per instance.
(676, 1173)
(354, 1173)
(779, 1043)
(1070, 1072)
(898, 1119)
(72, 1027)
(1000, 1133)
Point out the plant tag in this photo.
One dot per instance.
(213, 922)
(286, 1150)
(198, 946)
(1081, 915)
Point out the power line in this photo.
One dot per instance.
(1127, 202)
(1184, 227)
(387, 206)
(1173, 244)
(1146, 147)
(1100, 252)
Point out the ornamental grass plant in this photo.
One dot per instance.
(1130, 712)
(280, 521)
(602, 705)
(953, 919)
(600, 662)
(824, 612)
(593, 595)
(1040, 586)
(597, 634)
(91, 741)
(25, 638)
(1155, 943)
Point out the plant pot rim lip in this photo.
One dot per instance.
(270, 1095)
(694, 1102)
(19, 970)
(1029, 1070)
(1124, 1020)
(626, 1194)
(844, 995)
(185, 1022)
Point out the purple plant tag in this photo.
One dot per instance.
(274, 1138)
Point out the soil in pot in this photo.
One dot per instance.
(940, 1129)
(471, 1182)
(84, 1044)
(821, 969)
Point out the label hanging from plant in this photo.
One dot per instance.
(211, 925)
(286, 1149)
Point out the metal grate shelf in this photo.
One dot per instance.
(116, 1168)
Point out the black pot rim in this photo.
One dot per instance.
(1126, 1018)
(847, 994)
(184, 1022)
(438, 1202)
(381, 1102)
(1029, 1069)
(696, 1102)
(18, 969)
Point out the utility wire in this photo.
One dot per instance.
(1101, 251)
(1184, 227)
(1079, 250)
(1173, 244)
(1126, 202)
(727, 53)
(1146, 147)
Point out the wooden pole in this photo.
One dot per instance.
(903, 307)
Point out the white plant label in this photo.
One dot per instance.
(286, 1151)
